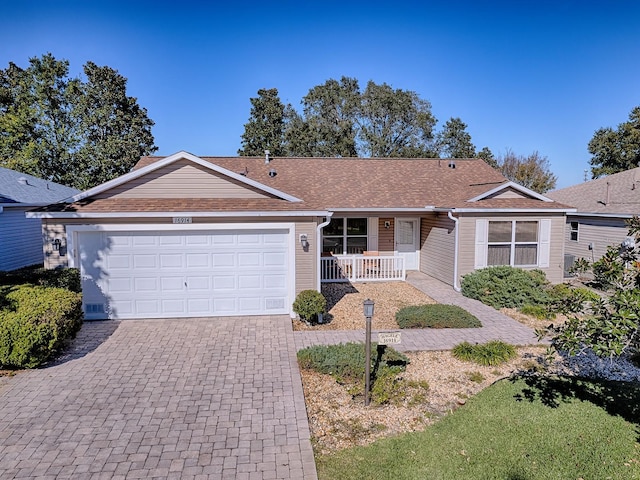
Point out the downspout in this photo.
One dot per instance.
(318, 250)
(456, 287)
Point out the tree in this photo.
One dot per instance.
(487, 155)
(612, 326)
(454, 141)
(616, 150)
(66, 130)
(329, 122)
(532, 172)
(394, 123)
(265, 128)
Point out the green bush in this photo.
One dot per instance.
(494, 352)
(538, 311)
(67, 278)
(35, 322)
(564, 298)
(346, 363)
(506, 286)
(436, 316)
(309, 304)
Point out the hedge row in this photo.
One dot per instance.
(35, 322)
(68, 278)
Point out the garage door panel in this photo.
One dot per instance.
(249, 282)
(249, 259)
(223, 260)
(198, 260)
(145, 284)
(174, 260)
(158, 274)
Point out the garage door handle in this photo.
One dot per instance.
(185, 284)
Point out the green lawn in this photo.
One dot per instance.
(528, 429)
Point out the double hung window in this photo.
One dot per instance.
(512, 243)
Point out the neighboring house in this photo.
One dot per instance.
(21, 237)
(185, 236)
(602, 207)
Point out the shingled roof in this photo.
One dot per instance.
(21, 188)
(334, 184)
(617, 194)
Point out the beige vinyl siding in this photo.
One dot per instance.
(437, 248)
(306, 264)
(509, 193)
(172, 181)
(386, 243)
(467, 239)
(601, 232)
(52, 229)
(20, 239)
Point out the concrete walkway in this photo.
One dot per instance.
(216, 398)
(495, 326)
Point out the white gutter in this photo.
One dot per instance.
(286, 213)
(604, 215)
(455, 253)
(373, 210)
(510, 210)
(318, 250)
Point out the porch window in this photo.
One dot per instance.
(345, 236)
(512, 243)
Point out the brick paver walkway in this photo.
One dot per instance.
(495, 326)
(200, 398)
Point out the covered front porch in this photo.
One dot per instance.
(368, 267)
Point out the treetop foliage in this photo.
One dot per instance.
(532, 171)
(616, 150)
(72, 131)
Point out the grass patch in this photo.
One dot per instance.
(436, 316)
(491, 353)
(535, 429)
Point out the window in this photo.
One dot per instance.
(345, 236)
(574, 231)
(512, 243)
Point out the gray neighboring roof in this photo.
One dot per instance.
(21, 188)
(617, 194)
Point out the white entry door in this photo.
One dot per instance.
(406, 233)
(184, 274)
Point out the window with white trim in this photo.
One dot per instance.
(512, 242)
(574, 231)
(346, 236)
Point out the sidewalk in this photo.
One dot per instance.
(495, 326)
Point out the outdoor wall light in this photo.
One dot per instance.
(56, 244)
(304, 241)
(387, 224)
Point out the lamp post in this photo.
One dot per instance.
(368, 314)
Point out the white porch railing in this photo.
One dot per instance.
(358, 268)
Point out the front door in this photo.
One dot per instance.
(406, 233)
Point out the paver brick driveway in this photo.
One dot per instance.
(198, 398)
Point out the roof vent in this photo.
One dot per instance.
(244, 172)
(23, 181)
(267, 157)
(272, 173)
(452, 163)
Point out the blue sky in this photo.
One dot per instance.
(523, 75)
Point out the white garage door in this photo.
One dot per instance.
(184, 274)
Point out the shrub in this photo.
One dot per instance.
(35, 322)
(538, 311)
(309, 304)
(346, 361)
(67, 278)
(436, 316)
(494, 352)
(506, 286)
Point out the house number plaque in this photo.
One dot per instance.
(182, 220)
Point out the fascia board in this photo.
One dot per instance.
(515, 186)
(510, 210)
(226, 214)
(169, 160)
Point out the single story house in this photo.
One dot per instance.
(21, 237)
(186, 236)
(602, 206)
